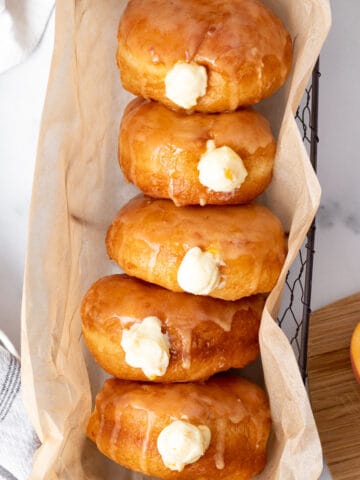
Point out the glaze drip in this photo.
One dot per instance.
(151, 417)
(220, 443)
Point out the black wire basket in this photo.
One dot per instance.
(295, 312)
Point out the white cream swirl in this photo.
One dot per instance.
(146, 347)
(185, 83)
(182, 443)
(199, 272)
(221, 169)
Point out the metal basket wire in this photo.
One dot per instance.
(295, 312)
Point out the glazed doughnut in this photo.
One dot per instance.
(166, 154)
(204, 55)
(226, 252)
(202, 335)
(184, 431)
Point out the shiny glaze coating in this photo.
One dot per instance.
(129, 417)
(206, 335)
(149, 238)
(159, 151)
(244, 47)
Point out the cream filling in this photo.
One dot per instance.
(185, 83)
(199, 272)
(221, 169)
(182, 443)
(146, 347)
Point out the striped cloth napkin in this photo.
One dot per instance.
(18, 440)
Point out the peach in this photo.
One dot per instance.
(355, 352)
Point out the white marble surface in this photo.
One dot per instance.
(337, 260)
(22, 94)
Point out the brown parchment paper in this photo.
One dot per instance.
(78, 188)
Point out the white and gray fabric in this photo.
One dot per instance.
(22, 24)
(18, 440)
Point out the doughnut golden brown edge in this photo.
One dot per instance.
(206, 335)
(129, 417)
(149, 239)
(244, 47)
(160, 150)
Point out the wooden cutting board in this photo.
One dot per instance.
(334, 392)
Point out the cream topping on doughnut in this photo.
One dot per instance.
(185, 83)
(221, 169)
(182, 443)
(199, 272)
(146, 347)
